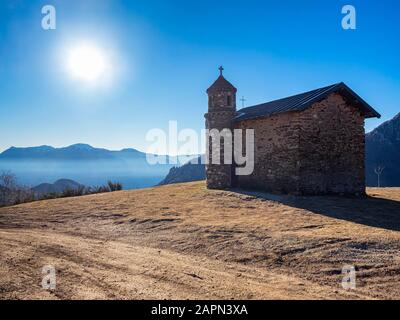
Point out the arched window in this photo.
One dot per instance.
(229, 101)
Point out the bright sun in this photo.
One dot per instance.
(86, 63)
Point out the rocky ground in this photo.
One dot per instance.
(186, 242)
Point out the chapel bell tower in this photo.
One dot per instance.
(221, 112)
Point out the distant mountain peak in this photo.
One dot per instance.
(129, 150)
(43, 147)
(191, 171)
(388, 132)
(397, 117)
(80, 146)
(57, 187)
(383, 149)
(63, 180)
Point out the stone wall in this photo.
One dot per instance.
(332, 148)
(221, 111)
(319, 150)
(276, 154)
(219, 176)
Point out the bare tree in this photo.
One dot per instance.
(7, 188)
(378, 171)
(11, 193)
(8, 180)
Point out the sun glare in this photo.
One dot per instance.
(86, 63)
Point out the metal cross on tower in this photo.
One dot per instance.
(243, 101)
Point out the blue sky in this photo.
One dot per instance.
(165, 53)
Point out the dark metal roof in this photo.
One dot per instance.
(303, 101)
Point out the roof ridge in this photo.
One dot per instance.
(302, 101)
(294, 95)
(326, 89)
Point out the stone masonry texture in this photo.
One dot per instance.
(316, 151)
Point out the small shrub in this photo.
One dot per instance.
(49, 196)
(114, 186)
(99, 189)
(76, 192)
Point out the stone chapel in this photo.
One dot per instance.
(311, 143)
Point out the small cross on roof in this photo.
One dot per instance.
(221, 68)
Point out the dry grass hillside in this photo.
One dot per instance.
(185, 242)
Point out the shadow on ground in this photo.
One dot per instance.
(369, 211)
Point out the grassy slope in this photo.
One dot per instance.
(183, 241)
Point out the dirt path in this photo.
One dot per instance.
(90, 269)
(185, 242)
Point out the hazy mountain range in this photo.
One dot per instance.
(57, 187)
(186, 173)
(74, 152)
(95, 166)
(83, 163)
(383, 149)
